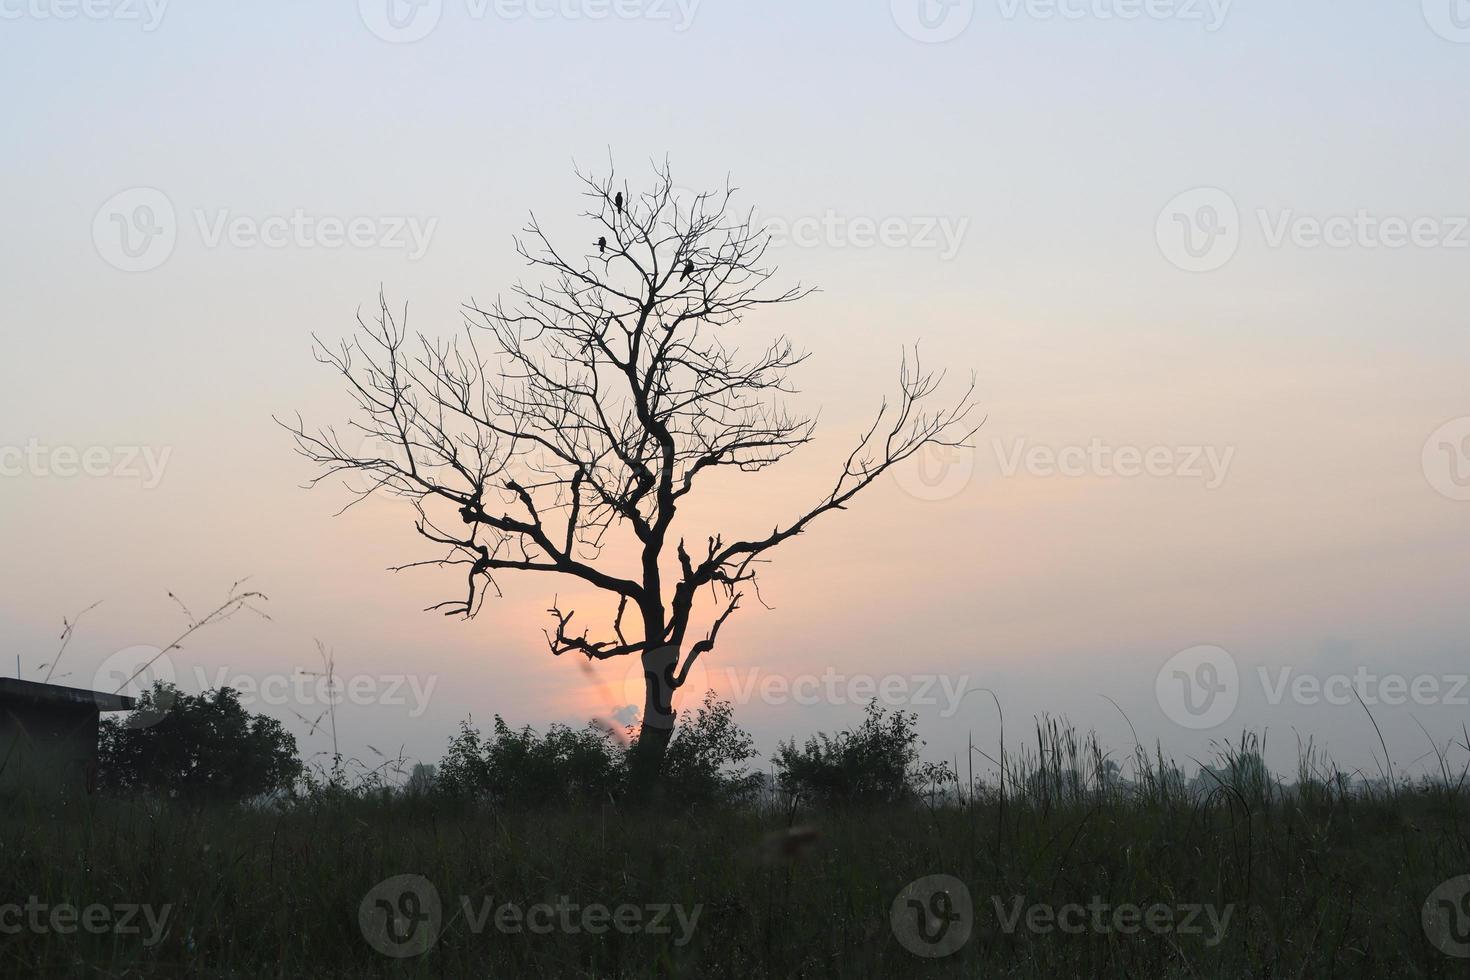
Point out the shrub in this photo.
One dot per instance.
(704, 762)
(878, 762)
(204, 746)
(526, 768)
(707, 755)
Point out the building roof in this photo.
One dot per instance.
(14, 689)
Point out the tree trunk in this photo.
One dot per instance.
(657, 729)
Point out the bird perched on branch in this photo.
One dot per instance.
(688, 268)
(618, 202)
(602, 245)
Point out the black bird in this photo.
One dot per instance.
(688, 268)
(618, 202)
(602, 245)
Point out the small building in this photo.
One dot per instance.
(48, 734)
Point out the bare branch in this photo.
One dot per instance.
(585, 405)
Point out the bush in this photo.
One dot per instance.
(704, 762)
(526, 768)
(197, 747)
(876, 763)
(706, 757)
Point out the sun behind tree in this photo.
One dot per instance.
(590, 405)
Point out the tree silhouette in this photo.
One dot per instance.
(575, 418)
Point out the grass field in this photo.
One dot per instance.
(1066, 877)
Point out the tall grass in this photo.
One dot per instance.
(1324, 877)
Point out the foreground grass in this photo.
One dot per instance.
(1318, 886)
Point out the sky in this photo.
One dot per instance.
(1206, 261)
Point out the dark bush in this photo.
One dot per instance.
(878, 762)
(706, 758)
(523, 767)
(198, 747)
(704, 762)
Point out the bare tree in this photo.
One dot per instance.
(572, 420)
